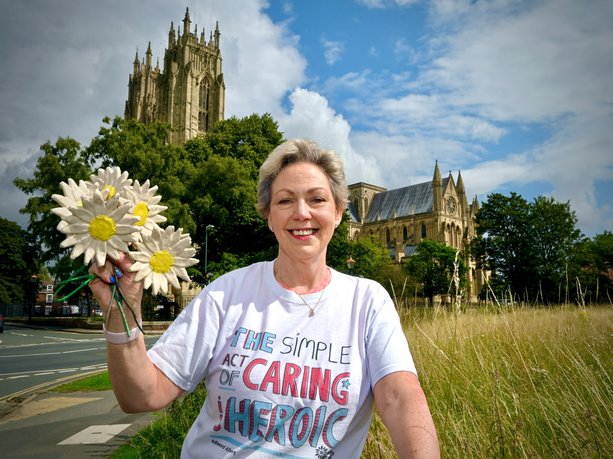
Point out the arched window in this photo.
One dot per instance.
(423, 231)
(405, 233)
(388, 237)
(203, 113)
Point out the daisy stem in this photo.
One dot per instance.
(118, 299)
(127, 303)
(123, 315)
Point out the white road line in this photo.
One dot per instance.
(95, 435)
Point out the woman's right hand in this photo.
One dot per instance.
(117, 271)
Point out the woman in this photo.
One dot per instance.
(294, 353)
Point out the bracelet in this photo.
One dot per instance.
(121, 338)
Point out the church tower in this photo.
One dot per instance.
(188, 93)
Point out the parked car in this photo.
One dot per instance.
(1, 323)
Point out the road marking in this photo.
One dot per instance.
(94, 435)
(25, 374)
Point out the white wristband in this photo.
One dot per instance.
(121, 338)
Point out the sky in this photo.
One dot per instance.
(515, 94)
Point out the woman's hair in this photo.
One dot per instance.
(301, 151)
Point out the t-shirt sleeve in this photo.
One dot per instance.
(183, 352)
(387, 348)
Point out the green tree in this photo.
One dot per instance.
(59, 162)
(18, 263)
(587, 273)
(526, 246)
(434, 265)
(250, 139)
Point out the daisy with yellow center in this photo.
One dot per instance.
(98, 228)
(73, 196)
(145, 207)
(162, 258)
(112, 181)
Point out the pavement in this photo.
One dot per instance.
(67, 426)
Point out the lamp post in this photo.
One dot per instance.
(350, 264)
(34, 284)
(206, 251)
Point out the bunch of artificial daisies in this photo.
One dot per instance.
(111, 213)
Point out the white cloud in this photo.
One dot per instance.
(332, 50)
(311, 117)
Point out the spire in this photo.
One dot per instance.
(437, 190)
(171, 35)
(186, 22)
(202, 37)
(437, 174)
(148, 55)
(217, 34)
(136, 63)
(460, 184)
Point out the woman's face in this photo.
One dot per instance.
(303, 213)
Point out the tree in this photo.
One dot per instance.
(18, 263)
(434, 265)
(526, 246)
(588, 271)
(58, 163)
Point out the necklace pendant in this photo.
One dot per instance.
(311, 313)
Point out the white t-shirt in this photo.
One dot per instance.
(279, 382)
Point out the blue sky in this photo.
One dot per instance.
(516, 94)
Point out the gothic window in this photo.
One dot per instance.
(203, 113)
(388, 238)
(423, 231)
(405, 233)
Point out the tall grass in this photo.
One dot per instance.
(517, 382)
(500, 383)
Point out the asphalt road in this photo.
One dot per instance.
(32, 358)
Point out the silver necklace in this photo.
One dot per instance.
(311, 308)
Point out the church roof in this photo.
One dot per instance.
(402, 202)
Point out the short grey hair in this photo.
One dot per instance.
(301, 151)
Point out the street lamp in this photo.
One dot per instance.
(350, 264)
(34, 285)
(206, 251)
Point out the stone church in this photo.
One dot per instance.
(437, 210)
(188, 93)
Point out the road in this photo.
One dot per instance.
(33, 357)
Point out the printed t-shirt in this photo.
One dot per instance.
(279, 382)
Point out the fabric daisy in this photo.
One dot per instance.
(162, 258)
(113, 181)
(145, 207)
(98, 228)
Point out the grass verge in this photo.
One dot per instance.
(96, 382)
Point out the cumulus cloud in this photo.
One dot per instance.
(312, 117)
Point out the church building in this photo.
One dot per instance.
(437, 210)
(188, 93)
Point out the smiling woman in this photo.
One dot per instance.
(283, 380)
